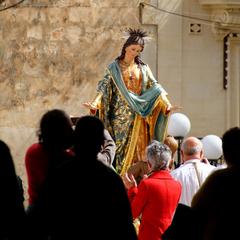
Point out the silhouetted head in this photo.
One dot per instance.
(158, 155)
(136, 37)
(88, 136)
(56, 132)
(230, 145)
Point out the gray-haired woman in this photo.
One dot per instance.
(157, 196)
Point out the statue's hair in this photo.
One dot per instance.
(134, 36)
(136, 32)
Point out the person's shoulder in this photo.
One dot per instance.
(217, 177)
(35, 148)
(105, 175)
(208, 166)
(178, 169)
(68, 170)
(226, 172)
(174, 171)
(106, 169)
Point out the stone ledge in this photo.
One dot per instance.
(220, 3)
(225, 14)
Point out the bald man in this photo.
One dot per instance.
(193, 172)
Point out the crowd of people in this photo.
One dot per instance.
(95, 177)
(71, 185)
(71, 176)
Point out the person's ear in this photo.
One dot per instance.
(182, 156)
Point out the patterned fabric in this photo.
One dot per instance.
(132, 120)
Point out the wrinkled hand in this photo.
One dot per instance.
(205, 160)
(129, 181)
(145, 176)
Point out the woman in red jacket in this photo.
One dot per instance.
(157, 196)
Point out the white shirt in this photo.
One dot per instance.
(186, 174)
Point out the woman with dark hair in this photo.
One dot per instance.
(55, 137)
(12, 214)
(131, 103)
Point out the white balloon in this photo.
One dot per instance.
(179, 125)
(212, 147)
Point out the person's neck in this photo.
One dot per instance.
(128, 62)
(192, 157)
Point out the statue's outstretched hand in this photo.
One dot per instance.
(89, 105)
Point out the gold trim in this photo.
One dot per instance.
(159, 106)
(127, 161)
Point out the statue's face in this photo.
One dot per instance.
(133, 50)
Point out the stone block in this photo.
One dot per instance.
(35, 32)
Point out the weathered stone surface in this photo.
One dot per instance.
(52, 53)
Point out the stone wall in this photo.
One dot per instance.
(52, 53)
